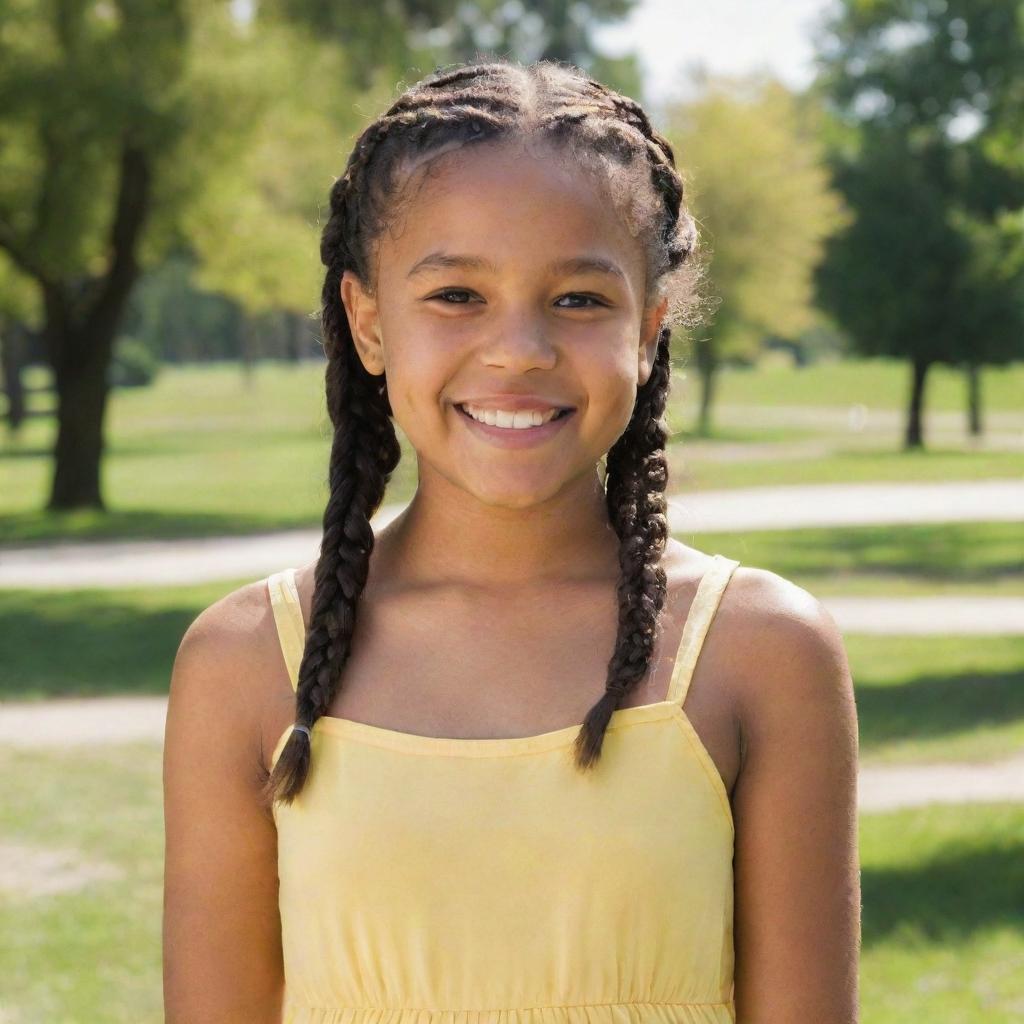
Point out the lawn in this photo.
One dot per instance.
(942, 888)
(955, 559)
(880, 384)
(209, 449)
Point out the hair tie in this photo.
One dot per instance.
(303, 728)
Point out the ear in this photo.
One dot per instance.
(363, 322)
(650, 329)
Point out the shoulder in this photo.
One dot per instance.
(778, 649)
(223, 669)
(229, 636)
(781, 621)
(765, 614)
(789, 657)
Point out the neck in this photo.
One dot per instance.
(448, 536)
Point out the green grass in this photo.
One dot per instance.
(943, 936)
(880, 384)
(90, 955)
(938, 698)
(204, 451)
(95, 642)
(959, 559)
(208, 450)
(689, 474)
(942, 887)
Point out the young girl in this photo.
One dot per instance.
(491, 763)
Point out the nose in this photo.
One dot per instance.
(519, 341)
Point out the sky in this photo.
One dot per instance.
(727, 36)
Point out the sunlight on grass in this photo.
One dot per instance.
(943, 937)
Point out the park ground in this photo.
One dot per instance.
(206, 453)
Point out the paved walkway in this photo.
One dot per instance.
(925, 616)
(889, 788)
(63, 723)
(132, 563)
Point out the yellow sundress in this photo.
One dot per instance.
(428, 880)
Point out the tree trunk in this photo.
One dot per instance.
(81, 404)
(707, 366)
(296, 337)
(82, 320)
(914, 437)
(974, 399)
(12, 358)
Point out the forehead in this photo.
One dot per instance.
(506, 199)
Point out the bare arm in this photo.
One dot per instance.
(221, 927)
(797, 872)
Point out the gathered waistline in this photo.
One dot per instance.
(510, 1009)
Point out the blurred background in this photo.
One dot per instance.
(852, 416)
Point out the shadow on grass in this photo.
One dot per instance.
(934, 706)
(27, 529)
(92, 642)
(969, 879)
(935, 553)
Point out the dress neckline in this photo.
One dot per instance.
(473, 746)
(368, 736)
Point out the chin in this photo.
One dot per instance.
(513, 498)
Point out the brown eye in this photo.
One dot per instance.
(590, 301)
(451, 291)
(593, 300)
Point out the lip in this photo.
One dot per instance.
(514, 403)
(509, 437)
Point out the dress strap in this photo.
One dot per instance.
(291, 630)
(705, 603)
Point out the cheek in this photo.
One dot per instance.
(419, 369)
(612, 380)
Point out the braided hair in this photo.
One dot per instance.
(604, 132)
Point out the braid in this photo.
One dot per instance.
(635, 496)
(364, 453)
(468, 105)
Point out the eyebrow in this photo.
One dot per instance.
(575, 265)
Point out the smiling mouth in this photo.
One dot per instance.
(561, 414)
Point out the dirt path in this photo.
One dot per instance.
(134, 563)
(924, 616)
(889, 788)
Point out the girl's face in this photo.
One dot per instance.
(510, 285)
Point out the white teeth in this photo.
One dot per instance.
(519, 419)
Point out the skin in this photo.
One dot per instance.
(519, 540)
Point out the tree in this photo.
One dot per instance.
(927, 106)
(412, 36)
(90, 105)
(763, 202)
(255, 232)
(129, 131)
